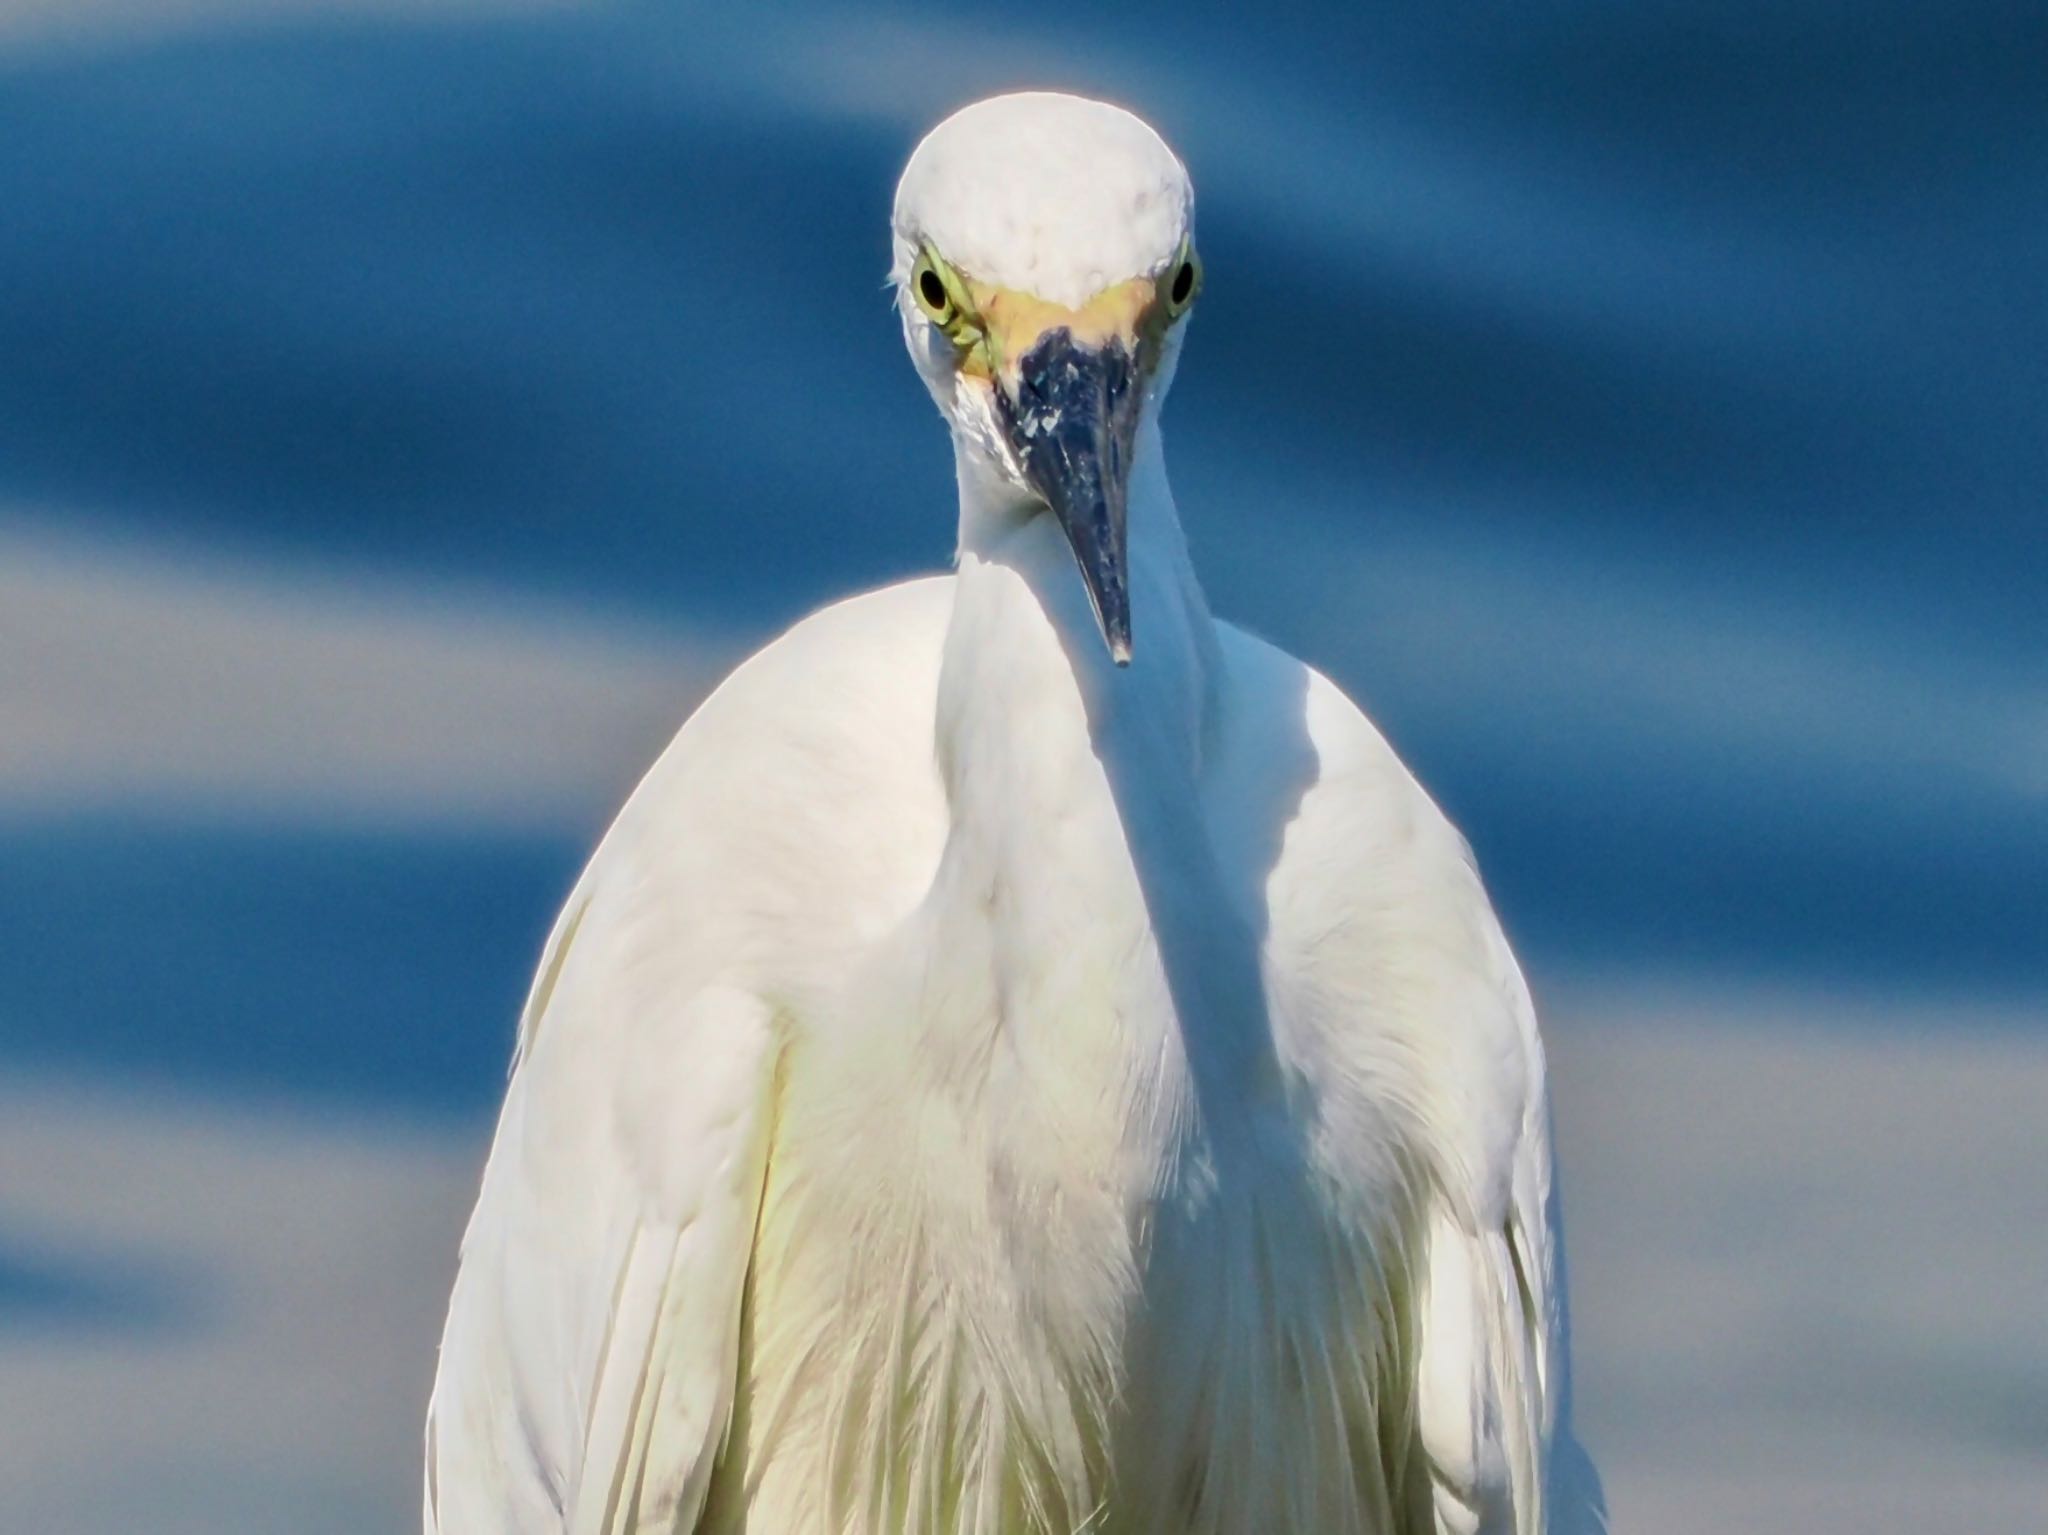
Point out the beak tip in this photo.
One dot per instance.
(1120, 652)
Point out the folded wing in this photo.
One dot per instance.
(587, 1371)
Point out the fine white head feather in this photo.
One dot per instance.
(1048, 194)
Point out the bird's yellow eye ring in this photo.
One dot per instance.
(944, 298)
(933, 296)
(1182, 284)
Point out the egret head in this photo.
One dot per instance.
(1045, 261)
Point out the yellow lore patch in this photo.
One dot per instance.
(1013, 321)
(994, 326)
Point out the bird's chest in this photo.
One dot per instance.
(1052, 1288)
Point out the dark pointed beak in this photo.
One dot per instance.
(1072, 417)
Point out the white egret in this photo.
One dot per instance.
(1028, 1058)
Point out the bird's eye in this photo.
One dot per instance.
(1182, 286)
(930, 289)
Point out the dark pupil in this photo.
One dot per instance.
(933, 290)
(1183, 282)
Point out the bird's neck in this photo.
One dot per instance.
(1076, 796)
(1031, 708)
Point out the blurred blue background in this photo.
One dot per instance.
(408, 407)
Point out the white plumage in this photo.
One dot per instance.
(979, 1087)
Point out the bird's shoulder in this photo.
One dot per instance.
(796, 812)
(1375, 903)
(1298, 752)
(829, 723)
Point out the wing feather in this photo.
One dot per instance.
(1495, 1393)
(588, 1367)
(1443, 1012)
